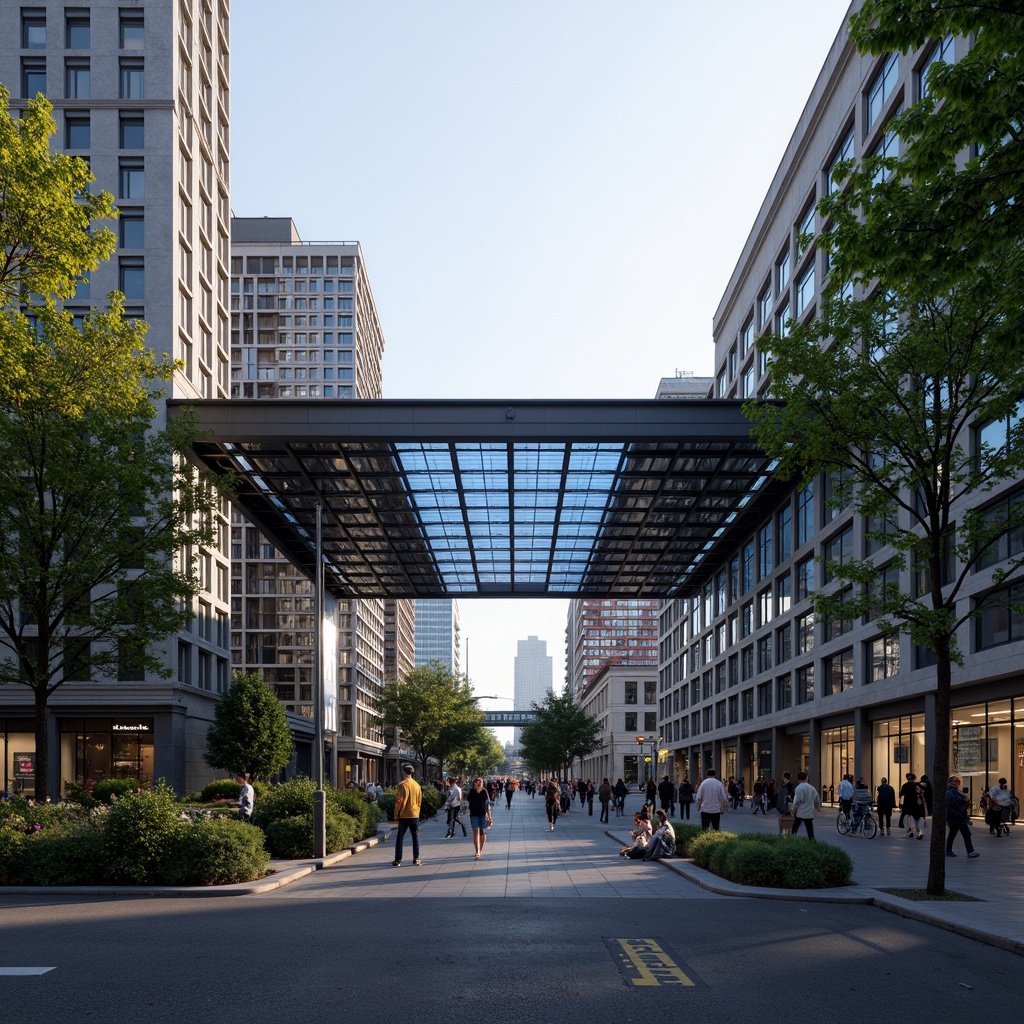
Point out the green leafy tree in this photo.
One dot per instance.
(561, 733)
(483, 756)
(250, 734)
(884, 394)
(435, 712)
(96, 503)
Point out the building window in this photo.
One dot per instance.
(839, 672)
(631, 721)
(882, 87)
(133, 30)
(1010, 543)
(764, 606)
(805, 579)
(883, 658)
(999, 618)
(33, 77)
(765, 550)
(133, 280)
(804, 691)
(77, 131)
(783, 594)
(782, 272)
(132, 231)
(748, 705)
(764, 653)
(805, 514)
(784, 643)
(734, 709)
(764, 307)
(747, 619)
(77, 79)
(805, 230)
(844, 152)
(783, 693)
(749, 382)
(834, 627)
(133, 181)
(131, 131)
(33, 30)
(129, 666)
(747, 337)
(996, 437)
(650, 721)
(940, 52)
(764, 699)
(805, 291)
(747, 657)
(805, 633)
(631, 691)
(720, 720)
(838, 551)
(133, 80)
(650, 691)
(748, 567)
(77, 30)
(784, 535)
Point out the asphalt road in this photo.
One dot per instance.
(292, 959)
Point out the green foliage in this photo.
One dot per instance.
(282, 813)
(216, 852)
(220, 789)
(292, 838)
(562, 733)
(76, 793)
(48, 219)
(140, 831)
(431, 802)
(356, 806)
(772, 861)
(12, 854)
(250, 734)
(386, 802)
(685, 832)
(74, 856)
(106, 791)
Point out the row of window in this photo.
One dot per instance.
(78, 130)
(301, 265)
(78, 29)
(78, 78)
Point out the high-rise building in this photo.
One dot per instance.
(438, 636)
(304, 325)
(141, 92)
(532, 675)
(751, 681)
(603, 631)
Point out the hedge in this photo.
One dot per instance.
(773, 861)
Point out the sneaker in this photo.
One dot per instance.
(417, 862)
(950, 853)
(974, 853)
(910, 835)
(396, 863)
(920, 835)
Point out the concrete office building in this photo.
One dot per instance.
(749, 682)
(438, 634)
(141, 92)
(304, 325)
(532, 676)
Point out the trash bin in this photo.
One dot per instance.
(785, 824)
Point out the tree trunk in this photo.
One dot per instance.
(42, 752)
(940, 772)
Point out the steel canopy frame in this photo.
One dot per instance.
(438, 498)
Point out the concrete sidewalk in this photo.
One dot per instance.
(896, 862)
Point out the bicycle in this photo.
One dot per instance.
(867, 826)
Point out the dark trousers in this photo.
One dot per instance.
(684, 810)
(711, 821)
(964, 829)
(408, 825)
(885, 819)
(808, 824)
(604, 810)
(552, 808)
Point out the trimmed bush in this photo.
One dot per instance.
(355, 805)
(386, 802)
(12, 855)
(140, 832)
(108, 790)
(702, 846)
(292, 838)
(685, 832)
(73, 856)
(220, 789)
(217, 852)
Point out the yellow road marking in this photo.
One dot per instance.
(652, 964)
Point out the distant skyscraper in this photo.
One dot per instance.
(437, 632)
(533, 675)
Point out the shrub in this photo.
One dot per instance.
(431, 802)
(780, 862)
(291, 799)
(220, 789)
(685, 832)
(12, 855)
(386, 802)
(69, 857)
(217, 852)
(140, 832)
(292, 838)
(76, 793)
(107, 791)
(702, 846)
(354, 804)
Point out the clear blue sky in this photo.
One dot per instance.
(550, 195)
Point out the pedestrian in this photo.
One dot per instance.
(765, 793)
(479, 815)
(956, 818)
(453, 805)
(926, 792)
(685, 798)
(663, 842)
(651, 793)
(885, 801)
(846, 795)
(1002, 796)
(620, 792)
(510, 790)
(912, 806)
(806, 803)
(666, 794)
(712, 801)
(246, 799)
(407, 812)
(604, 797)
(784, 794)
(552, 798)
(581, 789)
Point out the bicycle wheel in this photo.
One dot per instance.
(843, 823)
(869, 827)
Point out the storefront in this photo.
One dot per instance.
(837, 758)
(93, 749)
(17, 756)
(987, 744)
(898, 747)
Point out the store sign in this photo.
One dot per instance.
(131, 727)
(24, 766)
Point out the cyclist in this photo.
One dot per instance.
(861, 801)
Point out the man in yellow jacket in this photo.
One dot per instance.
(407, 811)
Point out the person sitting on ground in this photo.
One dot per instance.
(663, 842)
(641, 835)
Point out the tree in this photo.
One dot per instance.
(484, 756)
(435, 711)
(561, 733)
(883, 394)
(250, 734)
(96, 504)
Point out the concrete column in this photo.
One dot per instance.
(862, 745)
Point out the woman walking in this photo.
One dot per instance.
(551, 799)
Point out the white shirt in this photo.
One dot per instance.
(712, 797)
(805, 801)
(454, 797)
(845, 789)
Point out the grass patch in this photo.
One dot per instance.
(923, 896)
